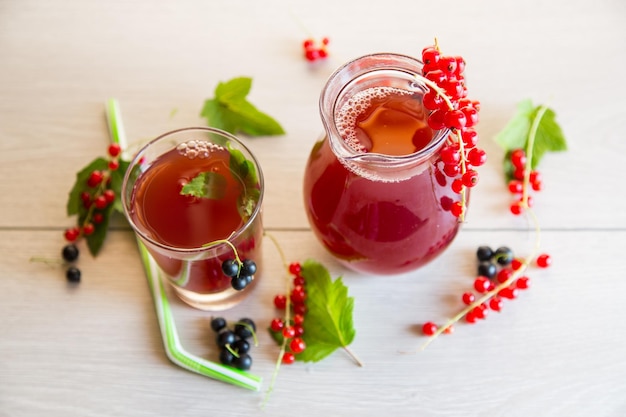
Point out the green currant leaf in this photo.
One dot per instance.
(96, 239)
(210, 185)
(328, 320)
(229, 110)
(516, 134)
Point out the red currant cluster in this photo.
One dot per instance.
(314, 51)
(96, 197)
(450, 108)
(292, 329)
(518, 186)
(500, 277)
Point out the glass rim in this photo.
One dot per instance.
(387, 61)
(204, 248)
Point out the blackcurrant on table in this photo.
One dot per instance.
(95, 349)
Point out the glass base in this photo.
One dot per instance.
(214, 302)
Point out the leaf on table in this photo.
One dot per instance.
(230, 110)
(328, 320)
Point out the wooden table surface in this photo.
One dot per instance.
(95, 349)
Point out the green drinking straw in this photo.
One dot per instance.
(173, 347)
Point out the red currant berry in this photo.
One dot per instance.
(85, 197)
(518, 158)
(100, 202)
(325, 40)
(469, 137)
(308, 43)
(288, 358)
(71, 234)
(460, 66)
(516, 264)
(447, 64)
(471, 116)
(480, 312)
(449, 329)
(297, 345)
(298, 281)
(508, 292)
(537, 185)
(535, 176)
(114, 149)
(482, 284)
(519, 173)
(503, 275)
(299, 309)
(468, 298)
(299, 330)
(432, 101)
(435, 120)
(522, 283)
(470, 178)
(98, 218)
(95, 178)
(477, 157)
(436, 76)
(430, 55)
(88, 229)
(277, 325)
(470, 317)
(516, 208)
(449, 155)
(544, 260)
(280, 302)
(454, 119)
(311, 55)
(429, 328)
(451, 170)
(298, 295)
(516, 187)
(322, 53)
(109, 195)
(298, 319)
(446, 203)
(289, 332)
(457, 186)
(495, 303)
(295, 268)
(114, 165)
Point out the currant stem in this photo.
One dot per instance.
(227, 242)
(353, 356)
(529, 152)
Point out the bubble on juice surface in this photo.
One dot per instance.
(197, 149)
(346, 118)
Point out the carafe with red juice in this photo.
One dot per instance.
(373, 190)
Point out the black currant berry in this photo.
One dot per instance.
(227, 337)
(70, 252)
(226, 357)
(487, 269)
(503, 256)
(230, 268)
(244, 328)
(241, 346)
(484, 253)
(218, 323)
(73, 274)
(240, 282)
(243, 362)
(248, 267)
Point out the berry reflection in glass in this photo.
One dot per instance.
(192, 196)
(373, 191)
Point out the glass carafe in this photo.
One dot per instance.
(373, 190)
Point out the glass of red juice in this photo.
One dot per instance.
(373, 190)
(193, 197)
